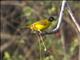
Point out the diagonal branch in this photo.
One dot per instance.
(60, 15)
(76, 24)
(73, 18)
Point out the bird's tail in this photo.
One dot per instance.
(24, 27)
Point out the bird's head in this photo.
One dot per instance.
(51, 18)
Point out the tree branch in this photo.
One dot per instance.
(60, 15)
(73, 18)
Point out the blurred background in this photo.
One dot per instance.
(19, 44)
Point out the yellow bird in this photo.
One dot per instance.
(41, 25)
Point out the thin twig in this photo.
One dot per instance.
(60, 15)
(73, 18)
(58, 26)
(76, 24)
(40, 37)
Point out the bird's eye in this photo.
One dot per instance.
(51, 18)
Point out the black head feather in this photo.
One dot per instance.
(51, 19)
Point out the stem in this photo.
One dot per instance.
(73, 18)
(76, 24)
(60, 15)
